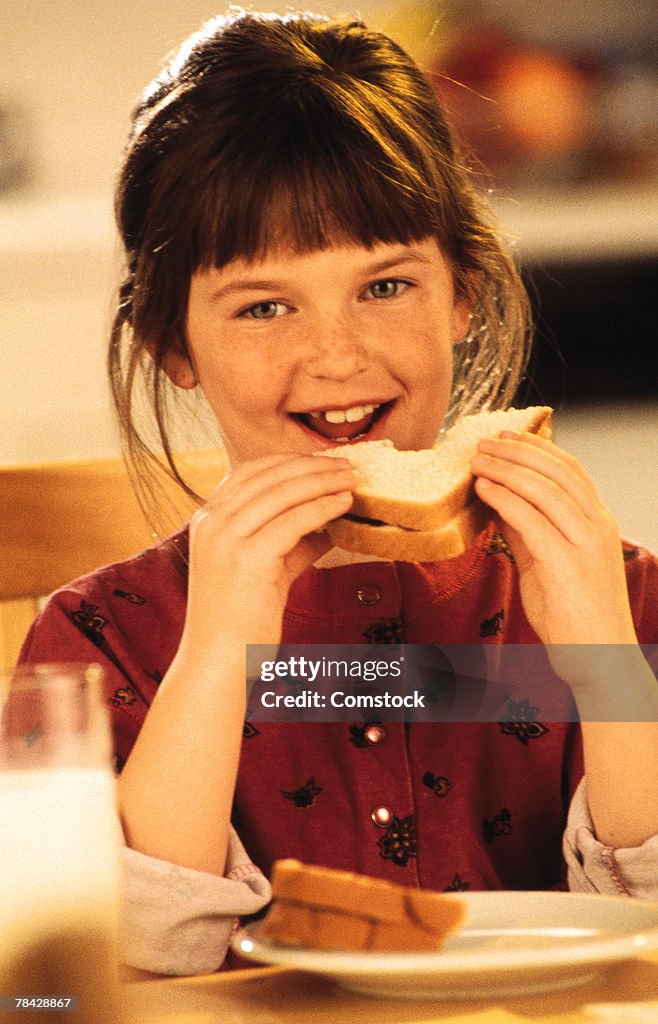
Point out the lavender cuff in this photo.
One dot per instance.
(593, 867)
(179, 921)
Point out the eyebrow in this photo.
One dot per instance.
(405, 256)
(245, 284)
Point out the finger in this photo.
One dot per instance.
(242, 472)
(248, 515)
(551, 448)
(551, 463)
(526, 488)
(256, 479)
(302, 522)
(309, 549)
(523, 519)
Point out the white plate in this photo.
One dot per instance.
(513, 943)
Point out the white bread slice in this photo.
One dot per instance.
(325, 908)
(426, 498)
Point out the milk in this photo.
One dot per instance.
(59, 886)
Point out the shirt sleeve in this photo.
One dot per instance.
(593, 867)
(178, 921)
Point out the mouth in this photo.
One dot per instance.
(341, 425)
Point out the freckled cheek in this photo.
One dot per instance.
(428, 356)
(250, 388)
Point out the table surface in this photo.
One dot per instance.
(625, 994)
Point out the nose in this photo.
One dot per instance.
(336, 352)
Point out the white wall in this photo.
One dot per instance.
(617, 444)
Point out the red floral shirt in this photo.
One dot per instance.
(447, 806)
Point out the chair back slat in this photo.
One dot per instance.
(59, 521)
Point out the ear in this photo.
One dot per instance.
(177, 364)
(465, 301)
(461, 319)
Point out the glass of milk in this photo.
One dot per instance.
(59, 845)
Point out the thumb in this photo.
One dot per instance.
(306, 552)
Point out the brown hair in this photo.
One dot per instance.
(265, 129)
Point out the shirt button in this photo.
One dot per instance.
(369, 594)
(382, 816)
(374, 734)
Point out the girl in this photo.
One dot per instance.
(304, 245)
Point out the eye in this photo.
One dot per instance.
(263, 311)
(387, 288)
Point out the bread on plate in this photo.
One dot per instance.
(324, 908)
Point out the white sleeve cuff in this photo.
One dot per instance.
(180, 921)
(593, 867)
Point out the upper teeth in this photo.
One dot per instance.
(357, 412)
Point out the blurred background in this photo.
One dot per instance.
(556, 106)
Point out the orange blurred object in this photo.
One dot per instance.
(544, 103)
(518, 108)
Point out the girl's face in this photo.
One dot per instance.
(296, 353)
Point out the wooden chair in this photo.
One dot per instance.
(60, 520)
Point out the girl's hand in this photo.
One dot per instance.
(259, 530)
(565, 543)
(247, 545)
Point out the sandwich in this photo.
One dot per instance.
(420, 506)
(323, 908)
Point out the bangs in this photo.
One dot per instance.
(305, 190)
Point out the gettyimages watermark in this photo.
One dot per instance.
(515, 683)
